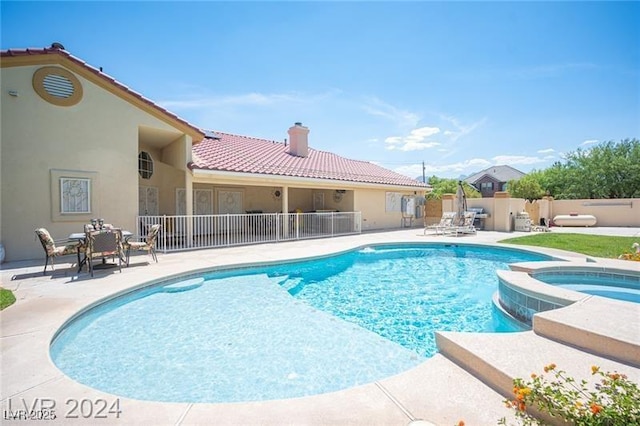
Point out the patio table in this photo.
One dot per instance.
(81, 237)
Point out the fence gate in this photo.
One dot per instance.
(432, 211)
(534, 211)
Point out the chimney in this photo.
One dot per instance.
(298, 141)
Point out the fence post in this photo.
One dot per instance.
(333, 218)
(164, 234)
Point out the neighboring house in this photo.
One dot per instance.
(77, 144)
(494, 179)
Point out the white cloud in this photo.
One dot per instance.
(468, 166)
(516, 159)
(414, 141)
(589, 142)
(546, 151)
(413, 170)
(393, 140)
(401, 118)
(476, 164)
(459, 128)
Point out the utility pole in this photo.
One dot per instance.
(424, 176)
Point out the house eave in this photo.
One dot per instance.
(259, 179)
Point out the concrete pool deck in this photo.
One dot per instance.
(465, 381)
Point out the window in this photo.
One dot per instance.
(145, 165)
(486, 186)
(75, 195)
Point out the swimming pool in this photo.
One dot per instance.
(612, 285)
(285, 330)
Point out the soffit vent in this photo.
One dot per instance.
(57, 86)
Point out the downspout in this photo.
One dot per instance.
(285, 211)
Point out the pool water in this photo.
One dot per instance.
(406, 294)
(613, 286)
(283, 331)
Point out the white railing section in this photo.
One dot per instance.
(209, 231)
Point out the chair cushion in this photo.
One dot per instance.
(46, 240)
(138, 245)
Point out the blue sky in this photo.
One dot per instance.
(458, 85)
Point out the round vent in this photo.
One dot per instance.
(57, 86)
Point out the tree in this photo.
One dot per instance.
(608, 170)
(449, 186)
(527, 187)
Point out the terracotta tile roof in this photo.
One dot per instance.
(234, 153)
(108, 79)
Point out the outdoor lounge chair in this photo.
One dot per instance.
(103, 244)
(466, 227)
(149, 244)
(52, 251)
(445, 222)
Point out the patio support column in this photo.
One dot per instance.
(285, 211)
(188, 186)
(285, 199)
(503, 215)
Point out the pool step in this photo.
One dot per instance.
(610, 329)
(498, 358)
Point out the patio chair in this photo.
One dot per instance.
(149, 244)
(51, 250)
(103, 244)
(445, 222)
(466, 227)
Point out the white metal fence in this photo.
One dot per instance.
(208, 231)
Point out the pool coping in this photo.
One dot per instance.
(367, 404)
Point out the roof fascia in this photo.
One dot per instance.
(256, 179)
(58, 59)
(488, 176)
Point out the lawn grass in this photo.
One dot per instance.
(6, 298)
(591, 245)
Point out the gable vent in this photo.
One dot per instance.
(57, 86)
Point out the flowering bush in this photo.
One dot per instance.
(613, 400)
(630, 256)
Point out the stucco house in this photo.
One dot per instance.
(493, 179)
(77, 144)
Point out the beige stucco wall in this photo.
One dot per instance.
(98, 135)
(616, 212)
(372, 204)
(263, 198)
(370, 201)
(166, 178)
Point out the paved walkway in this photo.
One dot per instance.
(441, 390)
